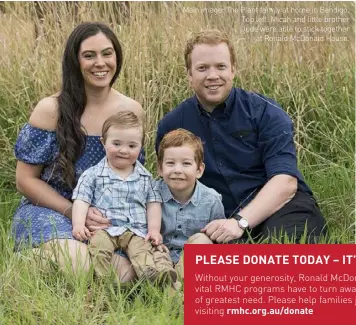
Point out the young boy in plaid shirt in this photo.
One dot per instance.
(125, 192)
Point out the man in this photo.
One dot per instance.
(250, 154)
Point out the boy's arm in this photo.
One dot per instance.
(217, 210)
(154, 212)
(154, 217)
(82, 197)
(79, 213)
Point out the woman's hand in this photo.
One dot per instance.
(95, 220)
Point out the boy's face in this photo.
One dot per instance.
(179, 169)
(122, 146)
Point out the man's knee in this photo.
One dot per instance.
(199, 238)
(297, 229)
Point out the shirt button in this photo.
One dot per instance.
(220, 163)
(180, 209)
(179, 226)
(215, 141)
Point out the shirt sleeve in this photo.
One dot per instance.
(276, 142)
(85, 188)
(36, 146)
(217, 209)
(153, 193)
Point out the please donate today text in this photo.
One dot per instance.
(261, 259)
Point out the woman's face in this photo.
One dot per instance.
(97, 59)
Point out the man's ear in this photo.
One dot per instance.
(233, 69)
(200, 170)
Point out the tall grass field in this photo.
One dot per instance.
(313, 80)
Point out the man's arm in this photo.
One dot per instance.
(169, 122)
(278, 191)
(279, 157)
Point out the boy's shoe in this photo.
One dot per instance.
(176, 290)
(151, 274)
(168, 277)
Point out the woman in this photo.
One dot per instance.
(62, 139)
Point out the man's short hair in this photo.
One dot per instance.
(122, 119)
(179, 138)
(210, 37)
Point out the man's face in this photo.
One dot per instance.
(211, 74)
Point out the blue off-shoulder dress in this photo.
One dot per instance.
(32, 224)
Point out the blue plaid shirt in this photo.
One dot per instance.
(179, 222)
(121, 201)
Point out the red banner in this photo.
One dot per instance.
(270, 284)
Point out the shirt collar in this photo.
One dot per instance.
(167, 194)
(106, 171)
(225, 106)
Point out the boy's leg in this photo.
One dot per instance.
(164, 266)
(198, 238)
(140, 253)
(101, 248)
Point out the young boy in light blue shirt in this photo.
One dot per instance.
(187, 205)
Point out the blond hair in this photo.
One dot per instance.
(210, 37)
(123, 119)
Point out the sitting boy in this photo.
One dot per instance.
(188, 205)
(124, 191)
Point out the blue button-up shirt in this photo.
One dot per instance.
(179, 222)
(121, 201)
(247, 140)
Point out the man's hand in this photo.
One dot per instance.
(95, 220)
(223, 230)
(155, 237)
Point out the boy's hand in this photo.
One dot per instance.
(155, 237)
(162, 248)
(81, 233)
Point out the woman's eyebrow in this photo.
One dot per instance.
(92, 51)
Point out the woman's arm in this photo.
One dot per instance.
(38, 192)
(28, 182)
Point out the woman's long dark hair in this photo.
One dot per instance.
(72, 98)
